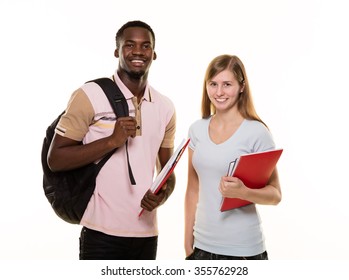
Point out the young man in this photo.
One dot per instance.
(111, 226)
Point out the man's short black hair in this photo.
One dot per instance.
(135, 23)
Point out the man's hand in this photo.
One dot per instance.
(151, 201)
(124, 127)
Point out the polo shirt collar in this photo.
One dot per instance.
(128, 94)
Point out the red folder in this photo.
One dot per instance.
(168, 169)
(254, 170)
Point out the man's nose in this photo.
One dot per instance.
(137, 49)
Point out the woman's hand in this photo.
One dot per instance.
(232, 187)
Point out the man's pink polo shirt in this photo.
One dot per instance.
(115, 204)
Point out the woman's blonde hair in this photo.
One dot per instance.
(235, 65)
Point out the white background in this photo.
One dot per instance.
(296, 56)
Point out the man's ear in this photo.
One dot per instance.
(116, 53)
(154, 56)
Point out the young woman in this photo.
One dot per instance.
(229, 128)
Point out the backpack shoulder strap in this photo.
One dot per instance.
(119, 104)
(114, 95)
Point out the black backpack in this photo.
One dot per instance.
(70, 191)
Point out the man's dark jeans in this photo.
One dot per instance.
(95, 245)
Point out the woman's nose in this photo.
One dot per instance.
(219, 91)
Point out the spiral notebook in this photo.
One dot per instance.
(254, 170)
(168, 169)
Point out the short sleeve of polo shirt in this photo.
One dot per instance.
(77, 118)
(168, 141)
